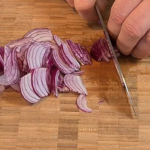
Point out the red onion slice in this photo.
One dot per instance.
(12, 70)
(1, 58)
(74, 83)
(46, 57)
(43, 72)
(64, 68)
(100, 51)
(79, 84)
(2, 88)
(50, 45)
(19, 42)
(3, 80)
(39, 35)
(16, 87)
(36, 31)
(68, 57)
(82, 103)
(39, 82)
(80, 52)
(35, 55)
(58, 40)
(27, 89)
(44, 37)
(54, 80)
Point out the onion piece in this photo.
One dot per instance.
(16, 87)
(50, 44)
(3, 80)
(38, 82)
(100, 102)
(35, 55)
(74, 83)
(19, 42)
(40, 34)
(82, 103)
(58, 62)
(46, 57)
(27, 89)
(61, 85)
(68, 57)
(1, 58)
(54, 80)
(100, 51)
(11, 69)
(80, 52)
(58, 40)
(36, 31)
(2, 88)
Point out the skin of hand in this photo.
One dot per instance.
(128, 24)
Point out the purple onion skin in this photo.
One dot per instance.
(80, 52)
(100, 51)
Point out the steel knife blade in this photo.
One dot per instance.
(116, 63)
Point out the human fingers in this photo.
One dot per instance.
(86, 8)
(142, 49)
(70, 2)
(134, 28)
(119, 12)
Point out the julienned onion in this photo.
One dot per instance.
(40, 64)
(100, 51)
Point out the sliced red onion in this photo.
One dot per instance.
(74, 83)
(39, 35)
(43, 72)
(46, 57)
(100, 102)
(16, 87)
(80, 52)
(82, 103)
(100, 51)
(64, 68)
(68, 57)
(3, 80)
(36, 31)
(11, 68)
(39, 82)
(1, 58)
(35, 55)
(79, 73)
(19, 42)
(61, 85)
(36, 65)
(27, 89)
(58, 40)
(2, 88)
(54, 80)
(50, 45)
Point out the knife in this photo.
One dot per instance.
(118, 68)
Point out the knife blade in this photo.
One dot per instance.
(116, 63)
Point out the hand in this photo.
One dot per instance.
(129, 24)
(86, 8)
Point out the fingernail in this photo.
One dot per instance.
(135, 57)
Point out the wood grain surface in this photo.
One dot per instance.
(56, 123)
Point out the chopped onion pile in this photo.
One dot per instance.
(40, 64)
(100, 51)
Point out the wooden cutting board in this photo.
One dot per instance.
(56, 123)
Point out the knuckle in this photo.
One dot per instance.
(117, 17)
(132, 30)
